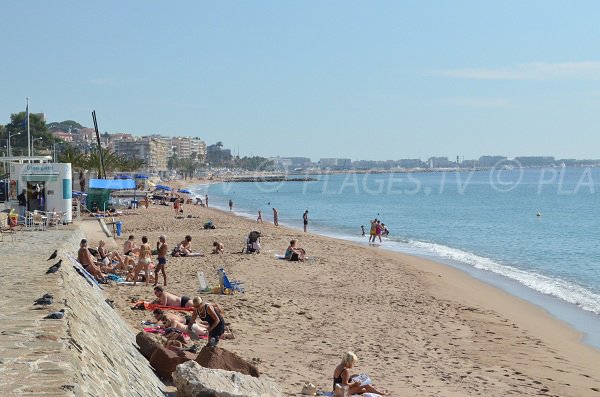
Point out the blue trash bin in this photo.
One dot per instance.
(119, 227)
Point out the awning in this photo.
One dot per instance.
(122, 177)
(112, 184)
(140, 176)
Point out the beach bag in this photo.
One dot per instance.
(209, 225)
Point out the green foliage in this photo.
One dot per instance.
(37, 128)
(73, 156)
(66, 126)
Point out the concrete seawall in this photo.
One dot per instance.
(92, 352)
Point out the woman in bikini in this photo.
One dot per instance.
(342, 377)
(144, 261)
(211, 314)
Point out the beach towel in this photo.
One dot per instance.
(152, 306)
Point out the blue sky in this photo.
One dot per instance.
(365, 80)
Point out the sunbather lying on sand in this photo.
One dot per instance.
(342, 377)
(168, 299)
(198, 329)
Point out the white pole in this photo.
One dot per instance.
(28, 132)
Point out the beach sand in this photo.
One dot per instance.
(417, 327)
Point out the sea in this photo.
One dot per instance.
(534, 233)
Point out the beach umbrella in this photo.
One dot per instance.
(163, 187)
(185, 191)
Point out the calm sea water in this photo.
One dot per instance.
(533, 232)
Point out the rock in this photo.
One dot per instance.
(148, 343)
(217, 358)
(164, 361)
(193, 380)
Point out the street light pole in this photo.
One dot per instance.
(32, 142)
(9, 147)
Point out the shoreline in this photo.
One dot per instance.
(416, 325)
(580, 319)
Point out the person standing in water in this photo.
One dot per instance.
(305, 220)
(230, 205)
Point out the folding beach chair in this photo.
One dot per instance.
(202, 282)
(232, 285)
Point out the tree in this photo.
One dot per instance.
(73, 156)
(96, 157)
(37, 128)
(66, 126)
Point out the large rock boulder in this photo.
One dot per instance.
(193, 380)
(217, 358)
(164, 360)
(148, 343)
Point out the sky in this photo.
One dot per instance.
(378, 80)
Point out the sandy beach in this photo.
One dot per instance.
(417, 327)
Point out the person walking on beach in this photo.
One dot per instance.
(230, 205)
(176, 207)
(362, 229)
(162, 248)
(259, 219)
(22, 204)
(206, 200)
(305, 220)
(275, 217)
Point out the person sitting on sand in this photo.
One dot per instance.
(219, 248)
(184, 248)
(213, 316)
(342, 377)
(129, 247)
(168, 299)
(87, 260)
(144, 261)
(294, 253)
(106, 256)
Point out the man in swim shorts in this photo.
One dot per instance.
(168, 299)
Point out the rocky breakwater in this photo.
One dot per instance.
(90, 352)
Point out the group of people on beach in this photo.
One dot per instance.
(377, 230)
(210, 314)
(136, 263)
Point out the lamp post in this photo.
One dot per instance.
(32, 142)
(10, 136)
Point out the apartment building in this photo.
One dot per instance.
(154, 151)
